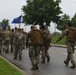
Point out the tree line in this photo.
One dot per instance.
(43, 12)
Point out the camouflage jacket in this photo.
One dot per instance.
(64, 33)
(7, 35)
(45, 34)
(19, 39)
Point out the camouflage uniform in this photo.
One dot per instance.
(33, 52)
(18, 42)
(12, 36)
(70, 48)
(7, 39)
(34, 55)
(45, 47)
(13, 33)
(1, 39)
(24, 35)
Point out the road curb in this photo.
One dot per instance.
(13, 65)
(57, 45)
(61, 46)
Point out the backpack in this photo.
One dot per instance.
(71, 35)
(49, 37)
(35, 38)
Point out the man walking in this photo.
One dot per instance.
(70, 42)
(33, 41)
(18, 42)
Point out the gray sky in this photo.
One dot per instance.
(10, 9)
(68, 7)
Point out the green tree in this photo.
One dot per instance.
(41, 12)
(5, 22)
(74, 20)
(64, 19)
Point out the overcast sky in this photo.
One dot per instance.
(10, 9)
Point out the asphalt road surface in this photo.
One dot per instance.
(54, 67)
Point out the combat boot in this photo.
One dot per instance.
(37, 66)
(48, 59)
(66, 63)
(34, 67)
(73, 66)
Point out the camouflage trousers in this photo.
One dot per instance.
(18, 51)
(70, 52)
(45, 53)
(6, 45)
(34, 54)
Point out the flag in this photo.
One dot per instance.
(17, 20)
(3, 27)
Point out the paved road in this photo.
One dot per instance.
(54, 67)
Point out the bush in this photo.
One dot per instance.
(56, 34)
(60, 42)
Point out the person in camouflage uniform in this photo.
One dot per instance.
(70, 46)
(18, 42)
(1, 38)
(15, 30)
(46, 45)
(12, 35)
(33, 50)
(7, 39)
(24, 35)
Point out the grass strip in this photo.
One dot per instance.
(7, 69)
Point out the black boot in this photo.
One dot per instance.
(34, 67)
(43, 61)
(37, 66)
(73, 66)
(48, 59)
(66, 63)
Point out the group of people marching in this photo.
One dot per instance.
(37, 41)
(15, 40)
